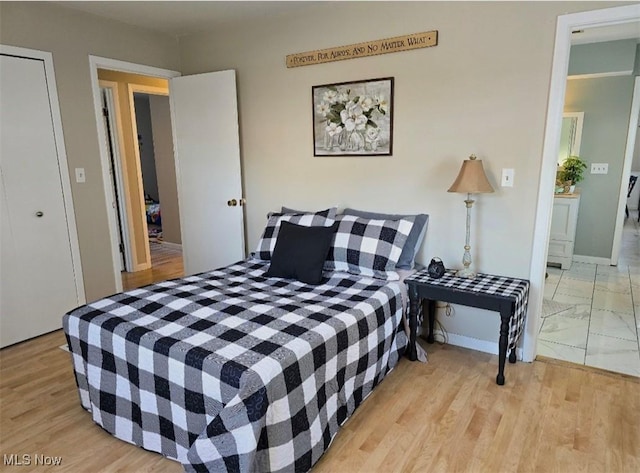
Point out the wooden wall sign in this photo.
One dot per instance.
(370, 48)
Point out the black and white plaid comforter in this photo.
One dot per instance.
(232, 371)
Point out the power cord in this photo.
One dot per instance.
(440, 331)
(440, 334)
(438, 327)
(448, 310)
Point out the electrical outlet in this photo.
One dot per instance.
(507, 177)
(599, 168)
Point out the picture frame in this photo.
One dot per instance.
(353, 118)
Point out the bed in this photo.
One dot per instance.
(237, 369)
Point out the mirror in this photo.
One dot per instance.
(571, 135)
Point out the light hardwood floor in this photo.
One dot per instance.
(166, 263)
(444, 416)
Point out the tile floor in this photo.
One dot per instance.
(592, 312)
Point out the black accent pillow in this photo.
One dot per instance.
(300, 252)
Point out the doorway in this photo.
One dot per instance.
(205, 129)
(566, 24)
(146, 151)
(142, 169)
(588, 311)
(152, 127)
(96, 63)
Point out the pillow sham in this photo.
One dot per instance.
(286, 210)
(369, 247)
(268, 239)
(414, 240)
(300, 252)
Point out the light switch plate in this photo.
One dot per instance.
(507, 177)
(80, 176)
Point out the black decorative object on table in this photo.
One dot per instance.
(436, 268)
(508, 296)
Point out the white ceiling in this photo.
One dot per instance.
(181, 18)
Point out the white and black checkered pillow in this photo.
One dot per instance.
(368, 247)
(267, 242)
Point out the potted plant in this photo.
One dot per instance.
(572, 171)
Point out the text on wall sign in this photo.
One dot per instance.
(370, 48)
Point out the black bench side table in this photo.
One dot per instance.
(508, 296)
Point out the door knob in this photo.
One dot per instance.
(39, 213)
(232, 202)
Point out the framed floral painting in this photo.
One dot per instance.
(353, 118)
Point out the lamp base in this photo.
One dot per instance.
(466, 273)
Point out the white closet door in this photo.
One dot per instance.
(37, 279)
(204, 113)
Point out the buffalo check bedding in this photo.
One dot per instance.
(229, 370)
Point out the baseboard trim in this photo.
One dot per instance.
(591, 260)
(463, 341)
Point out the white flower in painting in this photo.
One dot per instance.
(382, 103)
(330, 96)
(361, 121)
(366, 103)
(349, 123)
(333, 129)
(353, 116)
(343, 96)
(323, 108)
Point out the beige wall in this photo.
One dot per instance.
(71, 37)
(482, 90)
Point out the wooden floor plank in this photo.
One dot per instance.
(447, 415)
(166, 263)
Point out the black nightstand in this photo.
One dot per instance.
(509, 296)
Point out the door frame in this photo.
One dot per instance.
(626, 171)
(95, 63)
(58, 133)
(149, 90)
(116, 138)
(560, 66)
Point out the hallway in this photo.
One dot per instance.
(166, 263)
(592, 312)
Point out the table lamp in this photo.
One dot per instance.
(471, 180)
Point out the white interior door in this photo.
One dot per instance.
(204, 113)
(38, 284)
